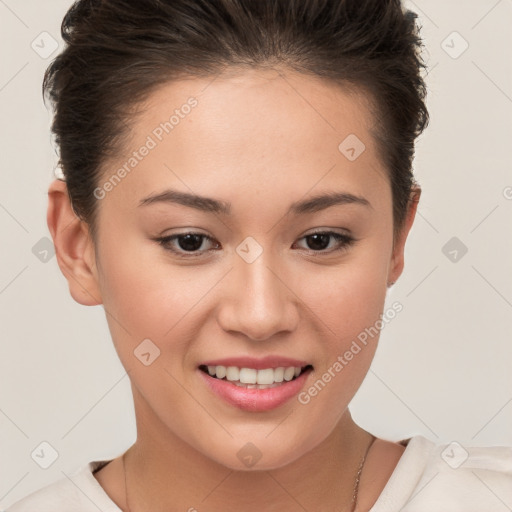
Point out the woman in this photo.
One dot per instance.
(237, 194)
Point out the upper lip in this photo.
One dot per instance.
(257, 363)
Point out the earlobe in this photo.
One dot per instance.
(74, 247)
(397, 260)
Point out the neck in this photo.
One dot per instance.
(165, 473)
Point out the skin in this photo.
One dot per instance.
(260, 139)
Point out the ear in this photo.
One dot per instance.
(74, 247)
(397, 258)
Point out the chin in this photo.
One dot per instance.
(260, 454)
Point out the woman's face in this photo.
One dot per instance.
(255, 284)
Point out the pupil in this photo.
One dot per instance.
(316, 237)
(192, 242)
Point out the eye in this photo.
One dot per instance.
(319, 241)
(191, 244)
(187, 243)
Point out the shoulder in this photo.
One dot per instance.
(452, 476)
(79, 492)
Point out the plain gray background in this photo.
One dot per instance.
(443, 365)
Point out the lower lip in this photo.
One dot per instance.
(255, 400)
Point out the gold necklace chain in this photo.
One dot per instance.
(354, 496)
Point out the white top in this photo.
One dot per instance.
(427, 478)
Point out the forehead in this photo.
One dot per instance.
(245, 132)
(235, 107)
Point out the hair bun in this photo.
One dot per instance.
(80, 11)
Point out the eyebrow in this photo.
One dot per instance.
(210, 205)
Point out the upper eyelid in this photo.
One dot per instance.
(345, 233)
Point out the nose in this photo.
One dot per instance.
(258, 301)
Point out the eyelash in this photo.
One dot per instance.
(345, 240)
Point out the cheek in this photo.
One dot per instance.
(146, 295)
(347, 297)
(347, 302)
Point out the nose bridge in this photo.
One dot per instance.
(258, 303)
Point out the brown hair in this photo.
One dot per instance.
(118, 51)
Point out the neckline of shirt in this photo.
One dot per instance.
(394, 496)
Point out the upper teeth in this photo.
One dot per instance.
(253, 376)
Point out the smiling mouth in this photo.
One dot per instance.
(251, 378)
